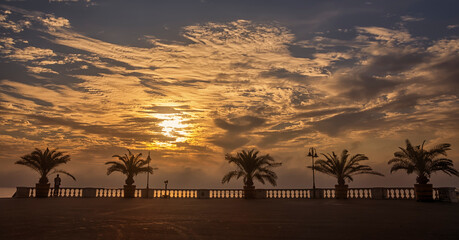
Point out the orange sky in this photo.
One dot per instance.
(222, 85)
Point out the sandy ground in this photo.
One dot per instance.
(226, 219)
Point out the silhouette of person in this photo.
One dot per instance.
(57, 184)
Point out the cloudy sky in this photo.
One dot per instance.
(192, 80)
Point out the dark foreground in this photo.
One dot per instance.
(226, 219)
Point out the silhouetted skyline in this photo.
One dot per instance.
(190, 81)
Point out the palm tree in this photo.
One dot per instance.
(343, 168)
(250, 166)
(416, 159)
(129, 165)
(45, 163)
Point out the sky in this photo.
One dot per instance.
(189, 81)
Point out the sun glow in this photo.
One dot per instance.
(173, 126)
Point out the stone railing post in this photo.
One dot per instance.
(319, 193)
(22, 192)
(447, 194)
(89, 192)
(147, 193)
(203, 193)
(260, 193)
(378, 193)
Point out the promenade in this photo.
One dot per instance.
(119, 218)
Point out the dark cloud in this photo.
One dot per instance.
(350, 121)
(363, 85)
(282, 73)
(20, 96)
(269, 139)
(240, 124)
(229, 141)
(322, 112)
(236, 133)
(110, 131)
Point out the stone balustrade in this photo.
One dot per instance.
(447, 194)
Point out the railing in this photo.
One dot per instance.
(288, 193)
(400, 193)
(66, 192)
(360, 193)
(226, 193)
(321, 193)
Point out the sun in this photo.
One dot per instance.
(173, 126)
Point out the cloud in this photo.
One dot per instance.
(223, 86)
(284, 74)
(408, 18)
(384, 34)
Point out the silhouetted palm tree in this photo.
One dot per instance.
(250, 166)
(45, 163)
(343, 168)
(423, 162)
(130, 165)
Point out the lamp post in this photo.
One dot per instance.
(165, 189)
(313, 154)
(148, 173)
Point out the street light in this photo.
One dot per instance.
(313, 154)
(148, 174)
